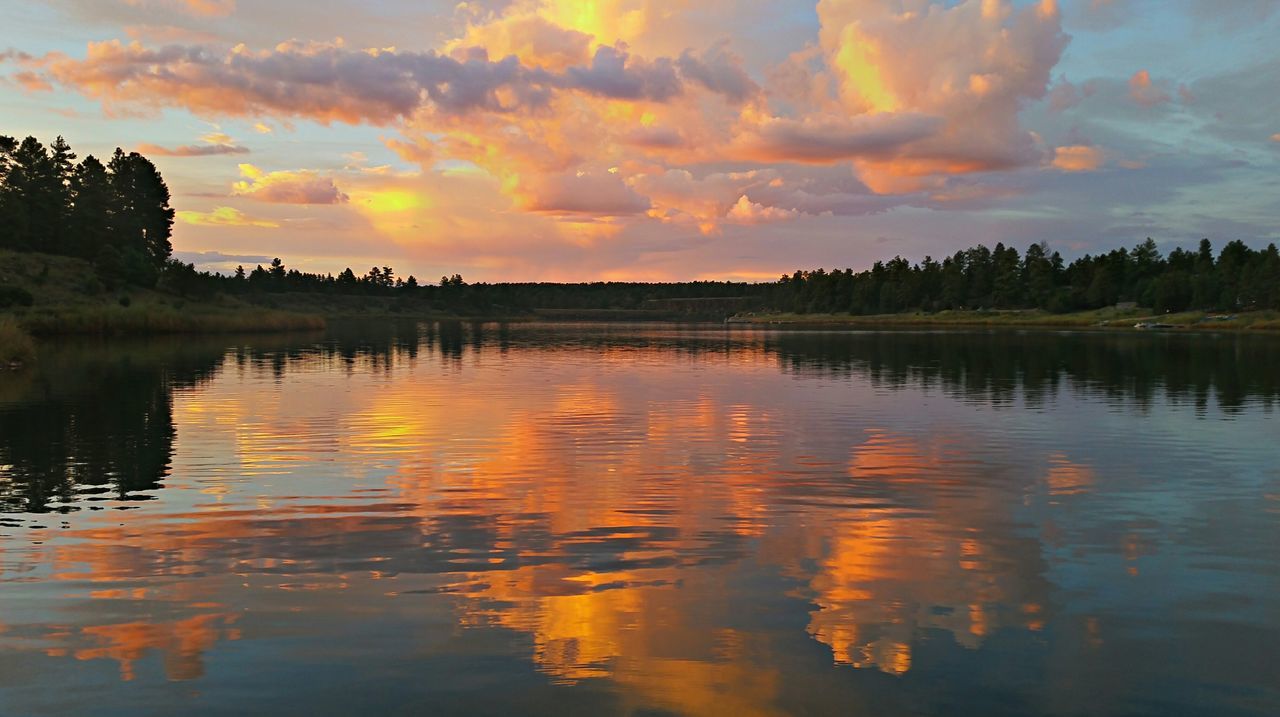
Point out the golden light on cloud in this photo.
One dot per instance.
(390, 201)
(1078, 158)
(861, 63)
(909, 101)
(223, 217)
(287, 187)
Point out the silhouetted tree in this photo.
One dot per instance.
(144, 219)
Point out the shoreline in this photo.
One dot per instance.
(1101, 320)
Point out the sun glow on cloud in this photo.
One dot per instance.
(223, 217)
(650, 125)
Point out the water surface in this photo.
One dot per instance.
(483, 519)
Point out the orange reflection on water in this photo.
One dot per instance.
(599, 523)
(182, 643)
(1066, 477)
(890, 572)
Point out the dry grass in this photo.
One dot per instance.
(164, 319)
(69, 300)
(1101, 318)
(15, 343)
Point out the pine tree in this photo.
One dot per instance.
(29, 179)
(9, 214)
(61, 169)
(89, 223)
(144, 219)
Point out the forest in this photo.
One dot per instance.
(1237, 278)
(117, 216)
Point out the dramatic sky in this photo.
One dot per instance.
(618, 139)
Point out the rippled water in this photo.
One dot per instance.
(483, 519)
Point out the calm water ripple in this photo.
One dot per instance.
(451, 518)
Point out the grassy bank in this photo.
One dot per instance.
(1099, 319)
(16, 345)
(159, 318)
(58, 295)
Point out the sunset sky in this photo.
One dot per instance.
(638, 139)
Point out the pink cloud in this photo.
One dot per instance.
(827, 139)
(192, 150)
(329, 83)
(601, 194)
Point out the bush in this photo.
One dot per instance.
(15, 296)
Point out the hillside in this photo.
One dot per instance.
(66, 297)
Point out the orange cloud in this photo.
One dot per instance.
(223, 217)
(168, 34)
(579, 118)
(32, 81)
(287, 187)
(971, 65)
(1078, 158)
(215, 143)
(746, 211)
(828, 139)
(1144, 92)
(600, 194)
(202, 8)
(534, 39)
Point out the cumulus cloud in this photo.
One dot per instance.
(534, 39)
(973, 64)
(746, 211)
(223, 217)
(287, 187)
(516, 119)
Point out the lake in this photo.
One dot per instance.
(450, 518)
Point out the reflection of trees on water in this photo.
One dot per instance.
(996, 367)
(999, 368)
(96, 418)
(94, 424)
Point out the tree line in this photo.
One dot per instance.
(115, 215)
(1236, 278)
(450, 292)
(118, 217)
